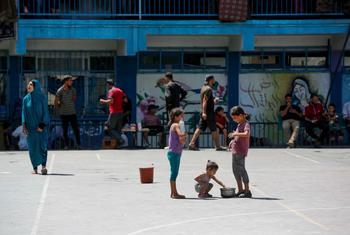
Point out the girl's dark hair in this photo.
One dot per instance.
(332, 104)
(288, 95)
(33, 82)
(175, 113)
(219, 109)
(169, 75)
(212, 165)
(237, 110)
(313, 95)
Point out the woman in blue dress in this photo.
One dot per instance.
(35, 121)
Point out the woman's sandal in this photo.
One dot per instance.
(34, 172)
(44, 171)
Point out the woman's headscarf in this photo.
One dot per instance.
(35, 108)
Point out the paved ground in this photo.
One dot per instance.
(299, 191)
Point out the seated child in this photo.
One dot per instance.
(203, 186)
(152, 122)
(336, 135)
(221, 121)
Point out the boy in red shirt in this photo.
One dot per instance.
(221, 121)
(115, 119)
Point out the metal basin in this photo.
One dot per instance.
(227, 192)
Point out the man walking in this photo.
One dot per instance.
(115, 119)
(207, 115)
(291, 116)
(65, 99)
(174, 93)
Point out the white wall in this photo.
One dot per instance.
(234, 42)
(8, 45)
(72, 45)
(291, 40)
(188, 41)
(338, 42)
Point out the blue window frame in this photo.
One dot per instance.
(309, 59)
(90, 68)
(292, 58)
(149, 60)
(189, 60)
(171, 60)
(28, 64)
(102, 64)
(261, 60)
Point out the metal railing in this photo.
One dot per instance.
(298, 7)
(263, 134)
(140, 9)
(117, 8)
(91, 134)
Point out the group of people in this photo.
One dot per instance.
(35, 117)
(35, 122)
(239, 146)
(210, 118)
(322, 126)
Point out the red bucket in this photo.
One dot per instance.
(146, 175)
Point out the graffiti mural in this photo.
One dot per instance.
(148, 92)
(261, 94)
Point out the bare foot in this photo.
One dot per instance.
(177, 196)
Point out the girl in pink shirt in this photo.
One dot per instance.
(239, 146)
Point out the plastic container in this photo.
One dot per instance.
(182, 126)
(146, 175)
(139, 126)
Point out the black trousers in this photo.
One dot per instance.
(310, 130)
(72, 119)
(347, 124)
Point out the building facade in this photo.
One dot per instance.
(256, 61)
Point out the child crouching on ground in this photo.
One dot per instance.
(239, 146)
(203, 186)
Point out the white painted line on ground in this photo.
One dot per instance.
(98, 157)
(301, 157)
(296, 212)
(5, 172)
(42, 199)
(228, 216)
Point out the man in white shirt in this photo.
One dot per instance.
(346, 116)
(22, 144)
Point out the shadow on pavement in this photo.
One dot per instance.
(196, 198)
(266, 198)
(60, 174)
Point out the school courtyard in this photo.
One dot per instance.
(296, 191)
